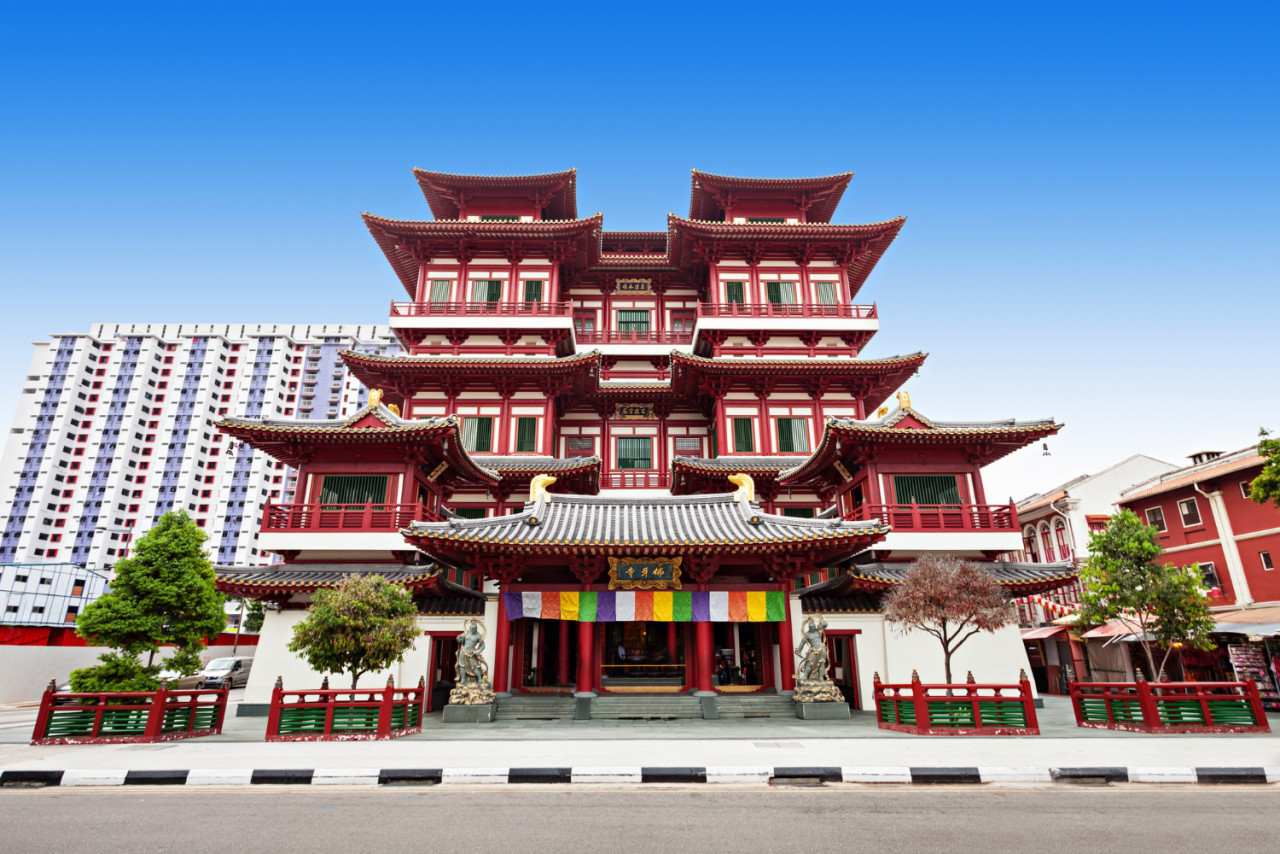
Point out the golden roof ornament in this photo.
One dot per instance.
(904, 400)
(393, 409)
(375, 397)
(538, 488)
(882, 412)
(746, 487)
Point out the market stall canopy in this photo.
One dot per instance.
(1042, 632)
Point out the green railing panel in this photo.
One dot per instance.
(302, 720)
(356, 719)
(1232, 712)
(185, 718)
(70, 723)
(951, 713)
(1180, 712)
(123, 722)
(1002, 713)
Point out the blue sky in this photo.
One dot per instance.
(1091, 189)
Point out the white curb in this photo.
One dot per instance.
(219, 777)
(93, 778)
(1162, 775)
(345, 777)
(619, 774)
(473, 775)
(1015, 775)
(739, 775)
(876, 774)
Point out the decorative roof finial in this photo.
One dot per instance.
(904, 400)
(393, 409)
(746, 487)
(882, 412)
(538, 488)
(375, 397)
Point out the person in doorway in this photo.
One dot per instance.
(622, 653)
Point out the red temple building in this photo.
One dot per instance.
(641, 458)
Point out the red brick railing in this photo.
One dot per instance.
(1167, 707)
(769, 309)
(942, 517)
(116, 717)
(614, 336)
(343, 517)
(328, 714)
(481, 309)
(967, 708)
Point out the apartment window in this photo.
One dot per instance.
(477, 434)
(1265, 557)
(931, 489)
(348, 489)
(744, 440)
(579, 446)
(486, 290)
(1155, 518)
(635, 452)
(798, 512)
(793, 435)
(1210, 575)
(533, 290)
(1190, 513)
(688, 445)
(526, 435)
(781, 293)
(1244, 488)
(633, 320)
(735, 292)
(826, 292)
(440, 290)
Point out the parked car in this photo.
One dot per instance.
(226, 671)
(175, 681)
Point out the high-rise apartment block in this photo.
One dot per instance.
(114, 428)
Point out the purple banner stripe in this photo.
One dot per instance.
(514, 605)
(701, 606)
(606, 612)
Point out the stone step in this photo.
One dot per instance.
(524, 707)
(660, 707)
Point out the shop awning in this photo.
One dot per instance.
(1112, 628)
(1249, 621)
(1042, 632)
(1248, 628)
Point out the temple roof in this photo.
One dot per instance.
(600, 525)
(280, 580)
(396, 373)
(871, 380)
(396, 238)
(692, 474)
(855, 247)
(291, 441)
(1019, 578)
(578, 474)
(556, 193)
(821, 194)
(905, 426)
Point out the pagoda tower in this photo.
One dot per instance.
(640, 457)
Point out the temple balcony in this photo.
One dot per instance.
(338, 528)
(968, 530)
(786, 310)
(635, 479)
(640, 343)
(481, 315)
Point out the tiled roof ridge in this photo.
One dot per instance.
(743, 178)
(372, 217)
(536, 176)
(1195, 473)
(673, 218)
(807, 360)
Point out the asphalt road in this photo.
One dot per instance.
(536, 819)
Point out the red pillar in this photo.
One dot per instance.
(501, 645)
(787, 657)
(766, 659)
(517, 656)
(703, 655)
(586, 645)
(562, 662)
(671, 642)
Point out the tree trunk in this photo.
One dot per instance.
(946, 667)
(151, 657)
(355, 678)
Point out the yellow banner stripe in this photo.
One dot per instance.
(756, 600)
(568, 604)
(663, 605)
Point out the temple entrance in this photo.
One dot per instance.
(643, 657)
(843, 650)
(739, 657)
(545, 655)
(441, 675)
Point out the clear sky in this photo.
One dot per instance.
(1091, 188)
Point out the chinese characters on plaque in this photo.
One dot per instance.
(644, 573)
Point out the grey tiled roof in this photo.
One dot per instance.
(329, 425)
(539, 464)
(310, 576)
(669, 521)
(730, 465)
(1006, 573)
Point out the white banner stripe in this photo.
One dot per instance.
(719, 606)
(531, 604)
(625, 602)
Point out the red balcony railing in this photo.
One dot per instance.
(941, 517)
(635, 480)
(769, 309)
(613, 336)
(481, 309)
(343, 517)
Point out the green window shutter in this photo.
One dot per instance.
(486, 290)
(469, 512)
(440, 289)
(826, 293)
(798, 512)
(743, 438)
(766, 220)
(533, 290)
(926, 489)
(635, 453)
(793, 435)
(477, 434)
(734, 292)
(499, 218)
(526, 434)
(633, 320)
(353, 489)
(781, 293)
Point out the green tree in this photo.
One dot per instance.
(1265, 488)
(949, 598)
(254, 617)
(364, 623)
(163, 594)
(1125, 579)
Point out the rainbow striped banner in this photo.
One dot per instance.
(663, 606)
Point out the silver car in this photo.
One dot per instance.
(232, 672)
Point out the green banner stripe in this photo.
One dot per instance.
(775, 606)
(587, 606)
(682, 606)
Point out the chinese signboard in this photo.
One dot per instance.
(644, 573)
(633, 411)
(633, 286)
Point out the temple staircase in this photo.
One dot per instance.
(631, 707)
(534, 707)
(766, 705)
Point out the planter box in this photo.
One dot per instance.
(967, 708)
(1169, 707)
(328, 714)
(123, 717)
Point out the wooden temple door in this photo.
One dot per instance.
(442, 650)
